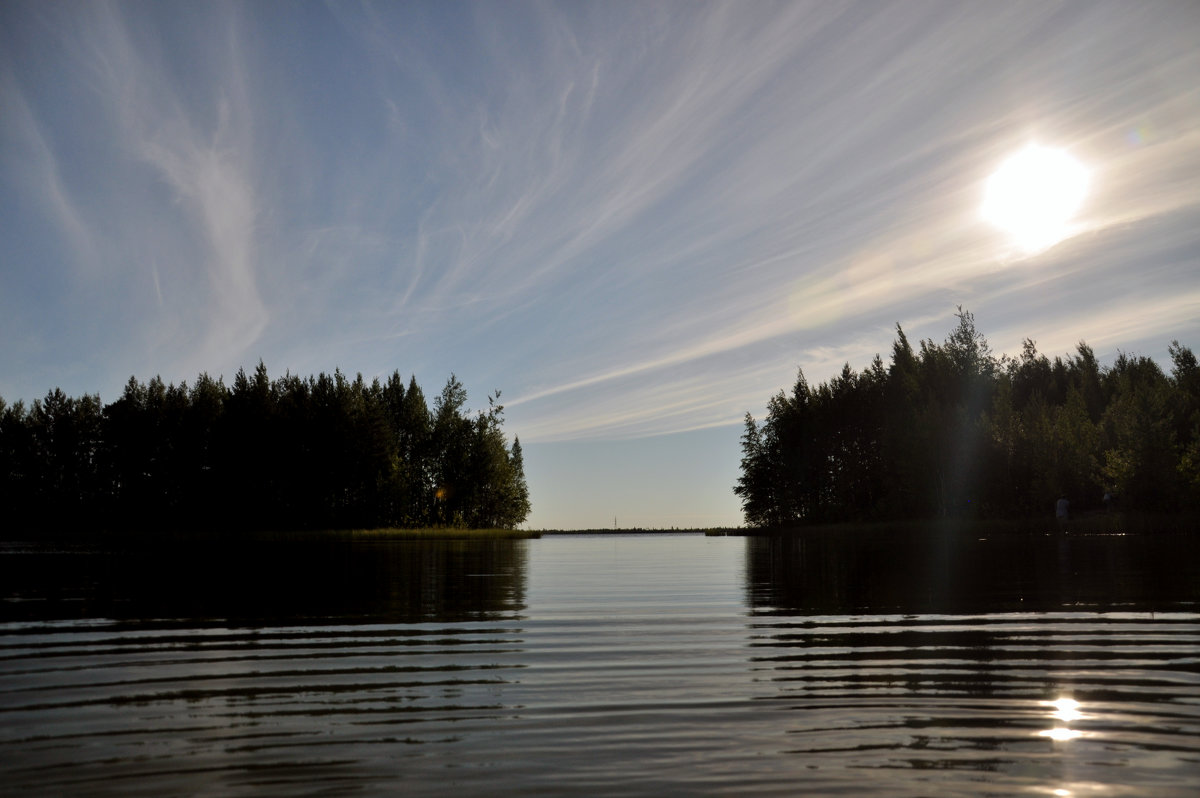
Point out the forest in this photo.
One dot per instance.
(951, 430)
(324, 452)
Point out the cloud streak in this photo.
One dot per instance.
(219, 203)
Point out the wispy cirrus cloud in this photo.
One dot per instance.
(154, 185)
(219, 201)
(633, 219)
(851, 201)
(36, 168)
(204, 154)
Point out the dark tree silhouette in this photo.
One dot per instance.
(953, 430)
(321, 452)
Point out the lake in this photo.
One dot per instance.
(618, 665)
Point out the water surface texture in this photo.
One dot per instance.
(605, 665)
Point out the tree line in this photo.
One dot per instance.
(950, 429)
(289, 453)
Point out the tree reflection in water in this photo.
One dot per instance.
(1057, 662)
(284, 582)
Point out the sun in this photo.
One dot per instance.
(1034, 195)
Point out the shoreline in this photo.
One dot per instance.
(1111, 523)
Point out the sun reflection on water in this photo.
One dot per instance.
(1060, 734)
(1065, 711)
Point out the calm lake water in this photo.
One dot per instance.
(605, 665)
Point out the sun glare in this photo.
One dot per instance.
(1033, 196)
(1066, 710)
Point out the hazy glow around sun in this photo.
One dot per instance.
(1034, 195)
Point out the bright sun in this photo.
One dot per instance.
(1033, 196)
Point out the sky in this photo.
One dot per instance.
(635, 220)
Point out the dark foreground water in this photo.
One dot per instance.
(605, 665)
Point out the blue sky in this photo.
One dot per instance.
(635, 219)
